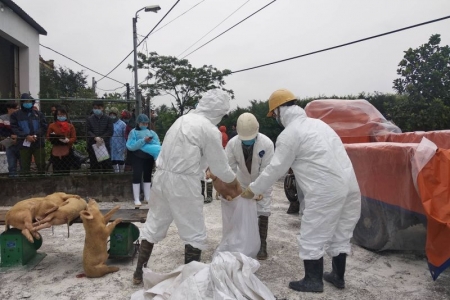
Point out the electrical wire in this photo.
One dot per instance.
(112, 90)
(173, 6)
(229, 29)
(104, 76)
(341, 45)
(213, 28)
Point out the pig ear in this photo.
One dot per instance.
(87, 215)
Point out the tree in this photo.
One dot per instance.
(425, 83)
(63, 82)
(179, 79)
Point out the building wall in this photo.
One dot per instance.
(20, 33)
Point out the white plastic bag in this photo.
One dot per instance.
(240, 232)
(101, 153)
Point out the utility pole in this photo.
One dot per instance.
(93, 84)
(137, 92)
(128, 96)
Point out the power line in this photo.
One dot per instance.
(213, 28)
(229, 28)
(112, 90)
(81, 64)
(141, 41)
(342, 45)
(174, 18)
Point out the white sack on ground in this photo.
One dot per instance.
(240, 232)
(229, 276)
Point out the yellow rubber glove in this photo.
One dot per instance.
(248, 194)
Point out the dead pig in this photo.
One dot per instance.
(95, 244)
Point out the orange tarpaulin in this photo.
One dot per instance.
(433, 183)
(355, 121)
(391, 171)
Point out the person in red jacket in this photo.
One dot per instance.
(223, 130)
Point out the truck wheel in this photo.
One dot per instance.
(371, 231)
(289, 188)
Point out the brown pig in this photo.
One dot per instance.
(23, 213)
(68, 211)
(97, 233)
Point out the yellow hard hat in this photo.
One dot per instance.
(278, 98)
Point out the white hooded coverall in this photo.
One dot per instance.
(191, 144)
(325, 174)
(263, 150)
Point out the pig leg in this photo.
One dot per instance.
(45, 220)
(102, 270)
(109, 214)
(42, 226)
(27, 234)
(110, 227)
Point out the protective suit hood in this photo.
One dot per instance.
(289, 113)
(214, 105)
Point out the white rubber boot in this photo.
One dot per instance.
(136, 193)
(121, 168)
(147, 186)
(116, 168)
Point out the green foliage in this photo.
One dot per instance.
(425, 82)
(179, 79)
(63, 82)
(267, 126)
(166, 117)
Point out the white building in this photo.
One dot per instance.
(19, 51)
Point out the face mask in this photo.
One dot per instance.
(126, 120)
(113, 117)
(97, 111)
(278, 116)
(62, 119)
(143, 127)
(27, 105)
(249, 142)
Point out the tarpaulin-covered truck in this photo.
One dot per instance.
(404, 177)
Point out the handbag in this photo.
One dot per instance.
(60, 150)
(101, 153)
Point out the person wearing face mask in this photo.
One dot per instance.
(61, 133)
(191, 144)
(145, 146)
(118, 141)
(325, 174)
(126, 118)
(30, 127)
(100, 129)
(249, 153)
(12, 150)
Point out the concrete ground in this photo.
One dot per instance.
(386, 275)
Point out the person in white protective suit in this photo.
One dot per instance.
(325, 174)
(248, 155)
(191, 144)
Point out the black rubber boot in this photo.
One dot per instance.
(336, 276)
(145, 250)
(209, 190)
(294, 208)
(263, 224)
(312, 282)
(203, 189)
(191, 254)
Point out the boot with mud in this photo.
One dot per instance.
(145, 250)
(263, 224)
(209, 191)
(336, 277)
(312, 282)
(294, 208)
(203, 189)
(191, 254)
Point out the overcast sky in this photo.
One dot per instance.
(98, 34)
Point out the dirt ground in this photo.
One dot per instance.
(386, 275)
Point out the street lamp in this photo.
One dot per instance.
(137, 92)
